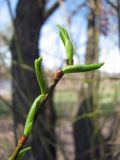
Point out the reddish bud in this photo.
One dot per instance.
(22, 140)
(58, 74)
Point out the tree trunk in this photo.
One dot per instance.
(24, 49)
(88, 141)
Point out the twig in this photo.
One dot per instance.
(22, 139)
(43, 97)
(112, 4)
(5, 101)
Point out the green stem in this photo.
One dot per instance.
(16, 152)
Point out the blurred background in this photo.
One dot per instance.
(82, 117)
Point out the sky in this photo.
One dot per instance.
(51, 47)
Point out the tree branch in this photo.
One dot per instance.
(112, 5)
(5, 102)
(51, 10)
(77, 9)
(22, 140)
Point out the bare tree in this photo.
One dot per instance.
(116, 7)
(89, 143)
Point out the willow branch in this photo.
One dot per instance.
(22, 140)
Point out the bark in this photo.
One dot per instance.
(89, 143)
(24, 49)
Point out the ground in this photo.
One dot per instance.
(6, 136)
(65, 99)
(63, 130)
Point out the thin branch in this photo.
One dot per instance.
(77, 9)
(51, 10)
(91, 4)
(65, 12)
(22, 139)
(18, 49)
(112, 5)
(23, 66)
(10, 11)
(5, 101)
(50, 92)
